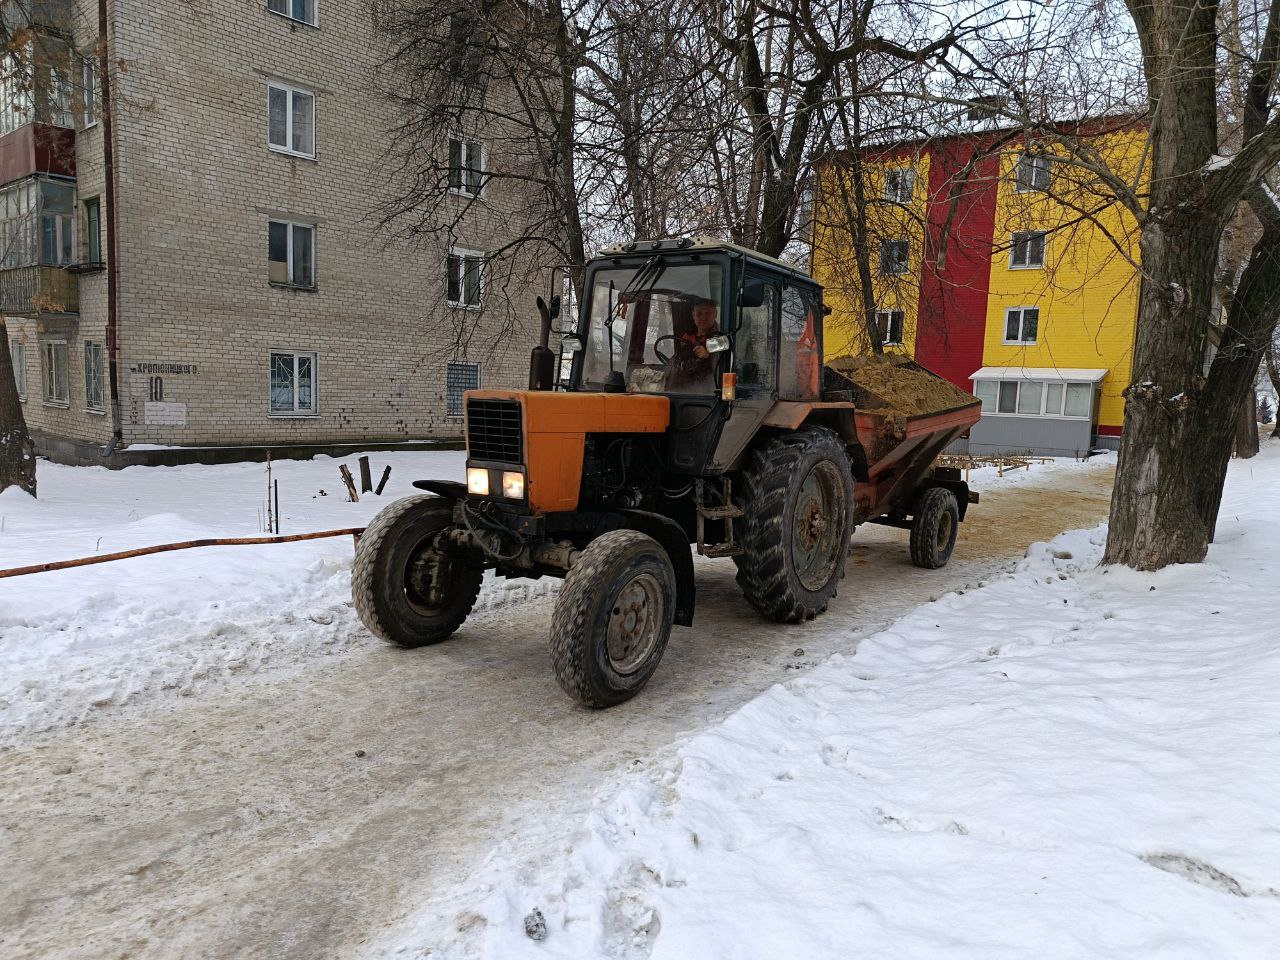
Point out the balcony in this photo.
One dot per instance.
(38, 290)
(37, 148)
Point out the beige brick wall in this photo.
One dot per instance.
(197, 185)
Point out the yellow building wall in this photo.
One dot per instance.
(834, 264)
(1087, 290)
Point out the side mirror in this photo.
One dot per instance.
(718, 344)
(751, 295)
(554, 309)
(571, 342)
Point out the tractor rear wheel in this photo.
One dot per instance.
(798, 502)
(613, 618)
(406, 590)
(934, 528)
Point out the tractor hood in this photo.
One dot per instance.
(545, 433)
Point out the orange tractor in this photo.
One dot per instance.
(695, 413)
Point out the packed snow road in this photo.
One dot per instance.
(206, 756)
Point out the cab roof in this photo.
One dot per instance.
(698, 245)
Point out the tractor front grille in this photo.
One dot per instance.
(493, 431)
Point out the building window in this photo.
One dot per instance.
(894, 256)
(1021, 324)
(93, 370)
(53, 370)
(88, 92)
(18, 354)
(293, 383)
(291, 120)
(1036, 398)
(1026, 249)
(890, 324)
(304, 11)
(291, 254)
(466, 278)
(459, 377)
(92, 231)
(57, 237)
(466, 167)
(899, 184)
(1033, 173)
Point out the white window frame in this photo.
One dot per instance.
(1004, 330)
(906, 260)
(894, 178)
(315, 13)
(886, 317)
(296, 412)
(88, 92)
(289, 257)
(465, 148)
(18, 357)
(1039, 163)
(463, 255)
(448, 405)
(65, 238)
(1030, 237)
(49, 373)
(97, 367)
(290, 90)
(1059, 414)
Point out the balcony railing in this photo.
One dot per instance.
(32, 290)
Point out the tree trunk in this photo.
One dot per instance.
(1247, 423)
(1273, 374)
(17, 453)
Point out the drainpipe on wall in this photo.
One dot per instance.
(109, 168)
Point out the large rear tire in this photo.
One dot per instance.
(613, 618)
(405, 590)
(798, 504)
(934, 528)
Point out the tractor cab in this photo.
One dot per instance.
(722, 331)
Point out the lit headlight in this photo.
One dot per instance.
(478, 481)
(513, 485)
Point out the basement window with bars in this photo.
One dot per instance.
(304, 11)
(53, 371)
(293, 384)
(466, 167)
(291, 254)
(465, 278)
(291, 120)
(895, 256)
(890, 323)
(1026, 250)
(459, 377)
(94, 367)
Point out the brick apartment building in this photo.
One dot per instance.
(258, 304)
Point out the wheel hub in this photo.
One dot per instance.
(634, 623)
(816, 526)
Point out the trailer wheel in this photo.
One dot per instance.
(613, 618)
(798, 501)
(405, 590)
(934, 528)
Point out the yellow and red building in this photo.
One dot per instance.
(1001, 264)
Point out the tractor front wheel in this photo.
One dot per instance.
(613, 618)
(407, 590)
(798, 501)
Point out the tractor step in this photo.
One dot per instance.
(721, 549)
(726, 511)
(719, 513)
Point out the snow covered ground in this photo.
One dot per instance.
(1073, 761)
(77, 641)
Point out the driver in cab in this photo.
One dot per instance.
(694, 362)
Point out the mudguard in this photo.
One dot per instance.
(449, 489)
(676, 542)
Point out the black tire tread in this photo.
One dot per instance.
(366, 580)
(763, 572)
(932, 504)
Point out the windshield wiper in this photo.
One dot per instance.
(631, 288)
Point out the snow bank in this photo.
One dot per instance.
(1075, 761)
(77, 641)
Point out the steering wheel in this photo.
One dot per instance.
(662, 357)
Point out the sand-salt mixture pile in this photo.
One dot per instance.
(895, 385)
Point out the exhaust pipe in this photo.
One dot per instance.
(542, 361)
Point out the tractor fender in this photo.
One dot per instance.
(449, 489)
(675, 541)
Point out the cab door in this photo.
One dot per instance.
(755, 352)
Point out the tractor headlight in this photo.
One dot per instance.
(478, 481)
(513, 485)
